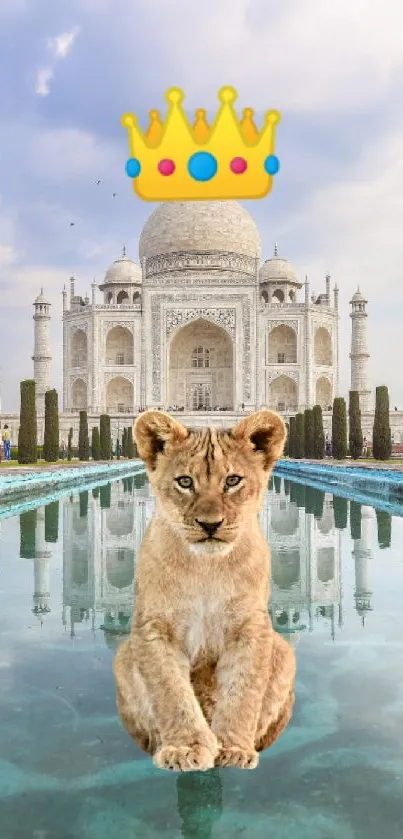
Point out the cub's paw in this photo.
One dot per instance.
(242, 758)
(195, 758)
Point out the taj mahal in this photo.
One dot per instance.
(200, 325)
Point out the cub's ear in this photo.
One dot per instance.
(152, 431)
(266, 432)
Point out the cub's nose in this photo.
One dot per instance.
(210, 527)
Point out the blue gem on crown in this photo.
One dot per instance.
(202, 166)
(133, 167)
(272, 164)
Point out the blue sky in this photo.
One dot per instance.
(69, 69)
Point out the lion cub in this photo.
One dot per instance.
(204, 680)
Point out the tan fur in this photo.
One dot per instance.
(203, 679)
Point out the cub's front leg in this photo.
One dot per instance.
(187, 743)
(242, 674)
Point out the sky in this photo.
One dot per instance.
(68, 70)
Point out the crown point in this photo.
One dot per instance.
(248, 127)
(201, 130)
(128, 120)
(174, 95)
(227, 95)
(272, 118)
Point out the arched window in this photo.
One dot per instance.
(201, 357)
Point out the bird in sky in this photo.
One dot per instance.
(114, 194)
(72, 224)
(98, 182)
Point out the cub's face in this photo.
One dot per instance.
(209, 483)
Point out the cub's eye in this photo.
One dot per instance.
(185, 482)
(233, 481)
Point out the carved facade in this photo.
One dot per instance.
(199, 329)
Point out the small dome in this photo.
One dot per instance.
(203, 226)
(358, 297)
(122, 271)
(42, 299)
(277, 268)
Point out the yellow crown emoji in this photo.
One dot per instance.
(175, 161)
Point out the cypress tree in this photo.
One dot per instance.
(70, 445)
(52, 522)
(105, 496)
(318, 503)
(355, 436)
(299, 436)
(95, 492)
(95, 443)
(83, 439)
(51, 435)
(124, 443)
(140, 479)
(83, 499)
(300, 495)
(28, 534)
(277, 484)
(130, 484)
(291, 444)
(309, 500)
(27, 433)
(355, 519)
(340, 510)
(309, 432)
(105, 436)
(339, 429)
(286, 487)
(381, 435)
(318, 433)
(287, 439)
(130, 443)
(384, 522)
(293, 492)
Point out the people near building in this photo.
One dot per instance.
(6, 442)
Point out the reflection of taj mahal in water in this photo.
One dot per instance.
(102, 532)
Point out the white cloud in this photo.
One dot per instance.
(294, 55)
(61, 45)
(43, 78)
(7, 255)
(58, 154)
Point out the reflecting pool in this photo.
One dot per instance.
(68, 770)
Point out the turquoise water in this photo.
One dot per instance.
(68, 770)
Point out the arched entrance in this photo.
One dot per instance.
(79, 395)
(282, 345)
(323, 348)
(79, 352)
(119, 346)
(119, 396)
(323, 392)
(201, 368)
(284, 394)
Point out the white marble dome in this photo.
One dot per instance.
(208, 226)
(275, 269)
(123, 271)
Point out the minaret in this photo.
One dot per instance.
(42, 350)
(362, 554)
(359, 352)
(41, 569)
